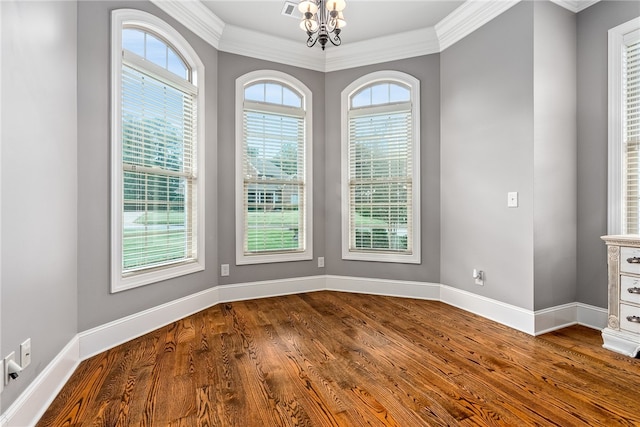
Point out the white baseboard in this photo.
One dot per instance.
(271, 288)
(592, 316)
(32, 403)
(550, 319)
(27, 409)
(507, 314)
(393, 288)
(109, 335)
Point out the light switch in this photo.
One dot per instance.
(512, 199)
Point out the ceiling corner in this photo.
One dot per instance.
(575, 6)
(468, 18)
(196, 17)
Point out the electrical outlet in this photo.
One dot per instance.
(320, 262)
(11, 356)
(224, 269)
(478, 276)
(25, 353)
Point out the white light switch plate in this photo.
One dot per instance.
(512, 199)
(25, 353)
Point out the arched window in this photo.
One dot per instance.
(381, 168)
(157, 150)
(273, 169)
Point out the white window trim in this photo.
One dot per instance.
(144, 20)
(414, 85)
(307, 254)
(615, 125)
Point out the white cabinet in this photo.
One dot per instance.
(622, 333)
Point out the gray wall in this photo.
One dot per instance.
(39, 182)
(487, 151)
(230, 68)
(554, 155)
(427, 70)
(593, 24)
(96, 305)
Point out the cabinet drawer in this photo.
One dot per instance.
(630, 289)
(630, 260)
(630, 318)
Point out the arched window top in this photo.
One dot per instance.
(272, 92)
(153, 48)
(380, 93)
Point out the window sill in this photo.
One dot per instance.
(119, 283)
(382, 257)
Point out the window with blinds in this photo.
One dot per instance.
(274, 174)
(631, 128)
(380, 169)
(156, 182)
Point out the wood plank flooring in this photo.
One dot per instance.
(339, 359)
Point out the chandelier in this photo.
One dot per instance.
(322, 20)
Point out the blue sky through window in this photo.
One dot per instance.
(155, 50)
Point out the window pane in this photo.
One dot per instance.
(176, 65)
(380, 181)
(362, 98)
(154, 224)
(380, 94)
(273, 93)
(156, 51)
(155, 122)
(157, 133)
(133, 40)
(273, 181)
(399, 93)
(631, 136)
(290, 98)
(254, 93)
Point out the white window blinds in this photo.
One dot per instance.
(273, 170)
(631, 129)
(380, 178)
(159, 209)
(274, 179)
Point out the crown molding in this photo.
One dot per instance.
(270, 48)
(468, 18)
(575, 6)
(382, 49)
(196, 17)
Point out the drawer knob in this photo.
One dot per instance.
(635, 290)
(633, 260)
(633, 319)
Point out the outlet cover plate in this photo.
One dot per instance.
(11, 356)
(25, 353)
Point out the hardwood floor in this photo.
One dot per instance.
(339, 359)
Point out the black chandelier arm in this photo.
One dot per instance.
(311, 41)
(336, 40)
(328, 26)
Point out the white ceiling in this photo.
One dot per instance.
(366, 19)
(377, 30)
